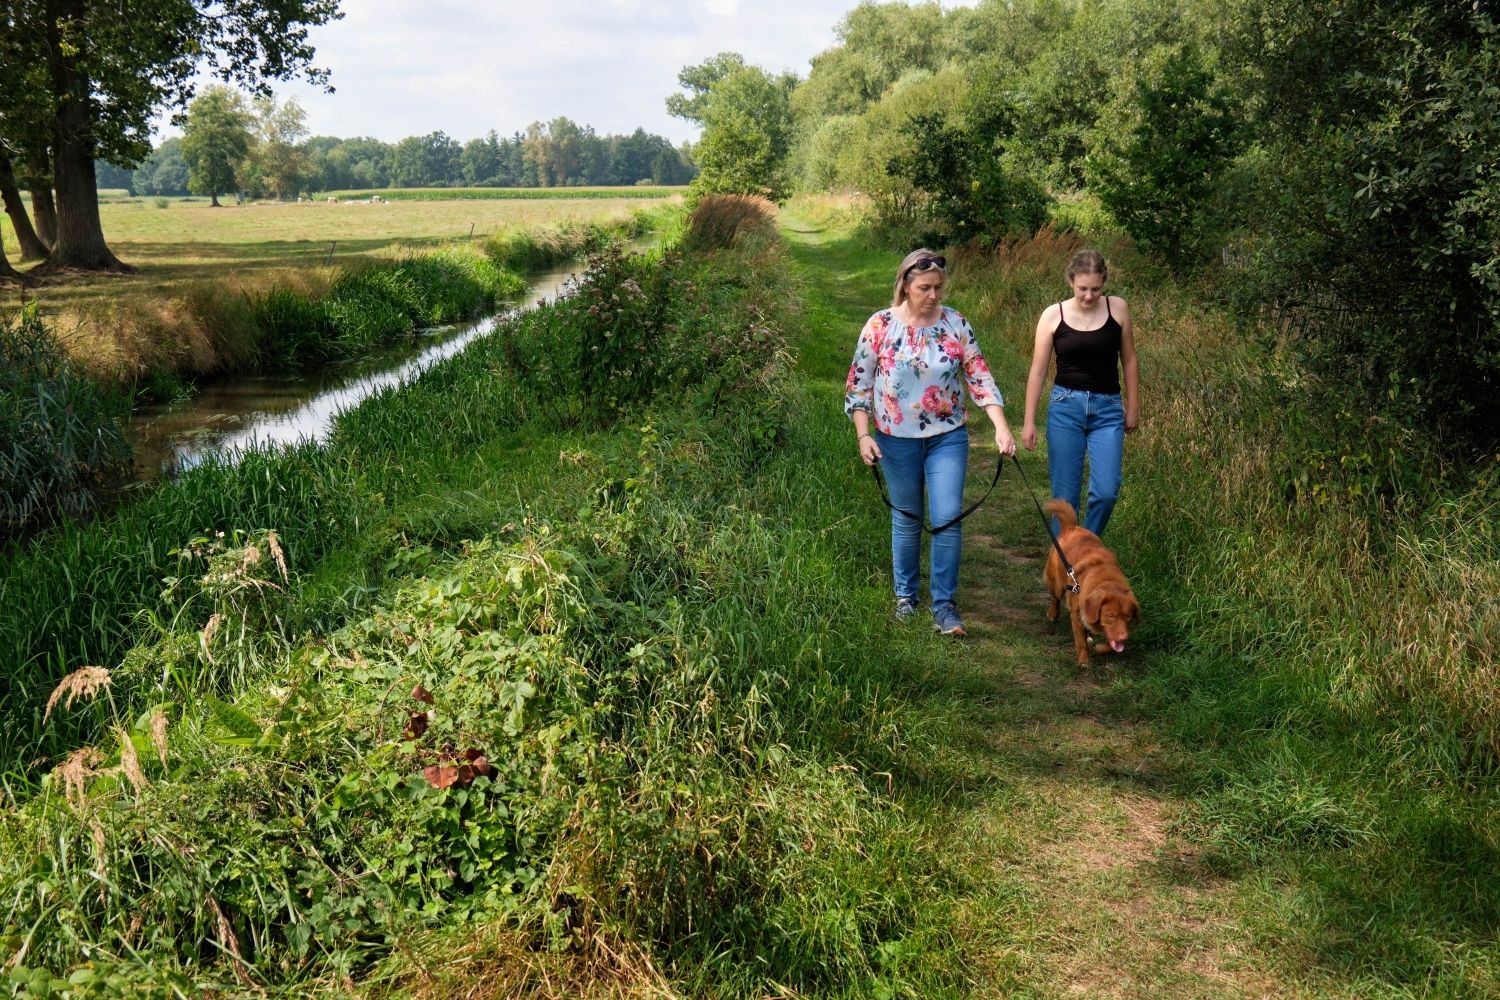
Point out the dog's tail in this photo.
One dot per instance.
(1063, 511)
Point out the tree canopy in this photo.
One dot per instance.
(215, 140)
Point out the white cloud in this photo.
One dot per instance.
(402, 68)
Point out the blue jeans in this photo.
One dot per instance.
(939, 463)
(1083, 423)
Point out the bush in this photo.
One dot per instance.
(62, 443)
(721, 221)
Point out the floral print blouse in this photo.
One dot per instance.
(911, 379)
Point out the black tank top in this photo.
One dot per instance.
(1088, 359)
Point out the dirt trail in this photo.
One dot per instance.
(1062, 824)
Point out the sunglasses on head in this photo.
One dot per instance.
(924, 264)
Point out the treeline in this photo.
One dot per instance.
(1329, 165)
(559, 153)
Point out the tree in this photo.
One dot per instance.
(431, 160)
(279, 160)
(105, 67)
(32, 247)
(164, 171)
(481, 160)
(215, 140)
(1162, 149)
(747, 133)
(1375, 224)
(699, 80)
(111, 176)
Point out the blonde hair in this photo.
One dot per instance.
(907, 263)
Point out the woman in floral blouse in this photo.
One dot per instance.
(910, 368)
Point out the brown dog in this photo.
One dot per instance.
(1104, 605)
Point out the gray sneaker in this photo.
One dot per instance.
(906, 608)
(945, 620)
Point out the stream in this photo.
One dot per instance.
(257, 411)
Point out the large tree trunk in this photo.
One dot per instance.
(80, 234)
(32, 248)
(43, 208)
(8, 274)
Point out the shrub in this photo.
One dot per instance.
(61, 439)
(721, 221)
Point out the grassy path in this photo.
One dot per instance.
(1054, 804)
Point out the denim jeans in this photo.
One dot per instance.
(937, 463)
(1082, 423)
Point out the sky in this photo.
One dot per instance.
(411, 67)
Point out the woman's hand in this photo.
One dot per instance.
(869, 449)
(1132, 421)
(1028, 437)
(1005, 441)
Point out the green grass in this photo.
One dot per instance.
(189, 242)
(510, 194)
(723, 770)
(637, 640)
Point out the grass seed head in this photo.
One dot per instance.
(74, 773)
(85, 682)
(274, 542)
(130, 761)
(158, 724)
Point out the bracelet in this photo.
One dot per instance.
(865, 435)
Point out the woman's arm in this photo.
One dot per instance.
(1041, 353)
(1004, 440)
(869, 448)
(1131, 366)
(859, 391)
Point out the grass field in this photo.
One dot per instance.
(188, 241)
(510, 194)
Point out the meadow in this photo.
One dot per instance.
(186, 241)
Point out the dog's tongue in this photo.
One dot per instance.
(1117, 645)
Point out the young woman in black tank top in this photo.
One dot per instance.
(1092, 336)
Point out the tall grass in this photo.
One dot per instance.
(650, 735)
(61, 442)
(1321, 624)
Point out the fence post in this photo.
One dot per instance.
(329, 259)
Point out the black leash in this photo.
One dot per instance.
(880, 482)
(999, 467)
(1073, 587)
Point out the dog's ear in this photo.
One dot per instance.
(1135, 610)
(1091, 603)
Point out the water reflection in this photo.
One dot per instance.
(266, 410)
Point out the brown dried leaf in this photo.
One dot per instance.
(416, 725)
(273, 540)
(440, 775)
(422, 694)
(206, 637)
